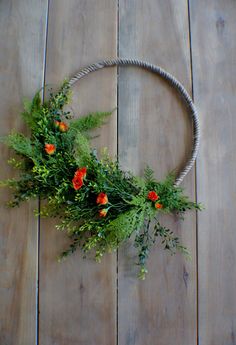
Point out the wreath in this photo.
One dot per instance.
(98, 204)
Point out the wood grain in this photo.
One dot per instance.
(22, 44)
(78, 297)
(214, 47)
(154, 129)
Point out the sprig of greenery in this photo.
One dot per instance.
(90, 121)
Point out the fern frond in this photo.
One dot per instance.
(82, 151)
(32, 111)
(20, 144)
(90, 121)
(149, 175)
(11, 183)
(123, 226)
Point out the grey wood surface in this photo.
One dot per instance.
(213, 29)
(21, 74)
(79, 301)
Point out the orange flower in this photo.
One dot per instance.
(103, 212)
(79, 176)
(102, 199)
(158, 206)
(152, 195)
(81, 172)
(63, 127)
(77, 183)
(50, 148)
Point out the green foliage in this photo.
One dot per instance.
(91, 225)
(31, 114)
(90, 121)
(169, 240)
(149, 176)
(82, 152)
(20, 144)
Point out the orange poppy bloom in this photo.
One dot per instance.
(81, 172)
(152, 195)
(78, 179)
(102, 199)
(50, 148)
(77, 182)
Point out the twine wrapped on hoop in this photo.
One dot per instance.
(173, 81)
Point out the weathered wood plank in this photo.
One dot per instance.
(214, 46)
(22, 44)
(78, 297)
(154, 129)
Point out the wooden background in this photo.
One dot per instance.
(83, 303)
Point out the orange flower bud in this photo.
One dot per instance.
(158, 206)
(50, 148)
(63, 127)
(103, 212)
(102, 199)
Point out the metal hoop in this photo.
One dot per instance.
(173, 81)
